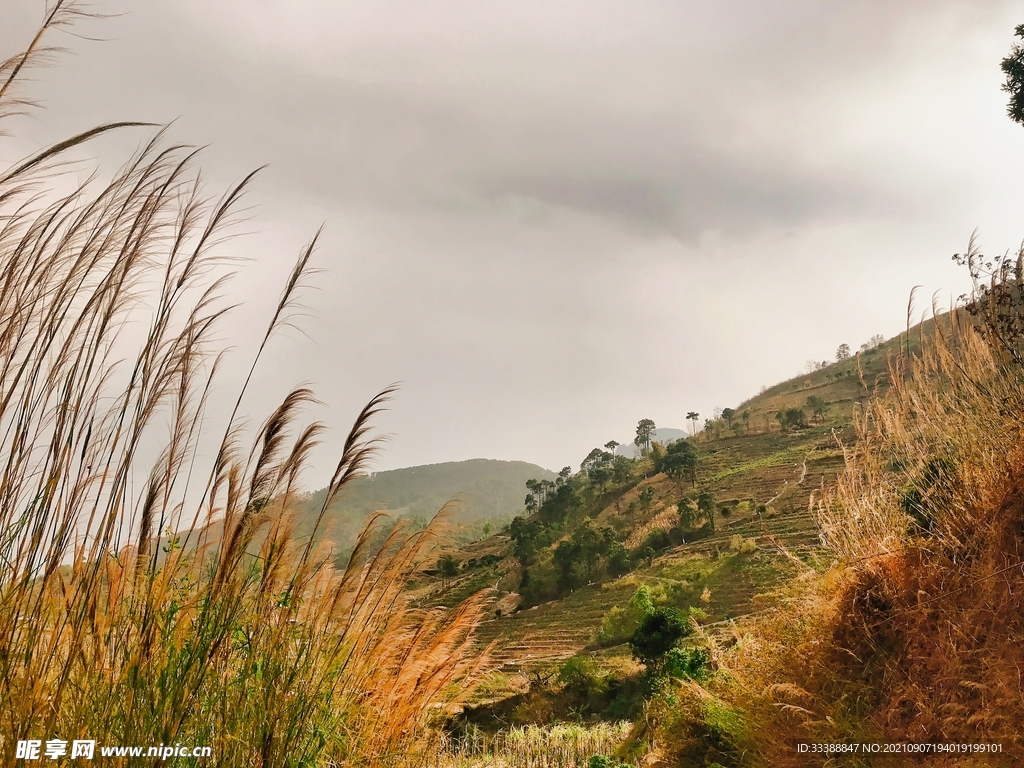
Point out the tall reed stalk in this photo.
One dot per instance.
(111, 630)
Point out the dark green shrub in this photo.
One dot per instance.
(658, 633)
(692, 663)
(618, 560)
(704, 532)
(604, 761)
(658, 540)
(539, 583)
(582, 675)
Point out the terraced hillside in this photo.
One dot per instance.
(763, 479)
(548, 633)
(533, 639)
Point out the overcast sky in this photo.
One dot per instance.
(552, 219)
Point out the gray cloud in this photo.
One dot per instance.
(712, 141)
(553, 219)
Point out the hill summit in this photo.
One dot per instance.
(663, 435)
(484, 491)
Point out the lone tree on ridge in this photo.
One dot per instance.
(644, 434)
(692, 417)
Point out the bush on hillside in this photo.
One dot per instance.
(657, 540)
(658, 633)
(583, 676)
(687, 513)
(618, 560)
(686, 663)
(605, 761)
(742, 546)
(620, 623)
(679, 461)
(529, 536)
(587, 555)
(791, 418)
(539, 583)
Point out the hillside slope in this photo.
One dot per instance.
(762, 475)
(483, 490)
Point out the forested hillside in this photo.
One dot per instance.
(486, 495)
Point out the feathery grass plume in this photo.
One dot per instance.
(135, 605)
(61, 14)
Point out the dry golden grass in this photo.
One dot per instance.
(662, 521)
(110, 632)
(917, 635)
(556, 746)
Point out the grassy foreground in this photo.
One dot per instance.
(110, 629)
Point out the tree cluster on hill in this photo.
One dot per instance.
(843, 352)
(604, 467)
(724, 421)
(587, 554)
(529, 536)
(791, 418)
(552, 500)
(818, 406)
(558, 545)
(644, 433)
(873, 343)
(679, 461)
(700, 511)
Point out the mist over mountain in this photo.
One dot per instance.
(663, 435)
(482, 489)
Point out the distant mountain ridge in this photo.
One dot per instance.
(483, 488)
(661, 435)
